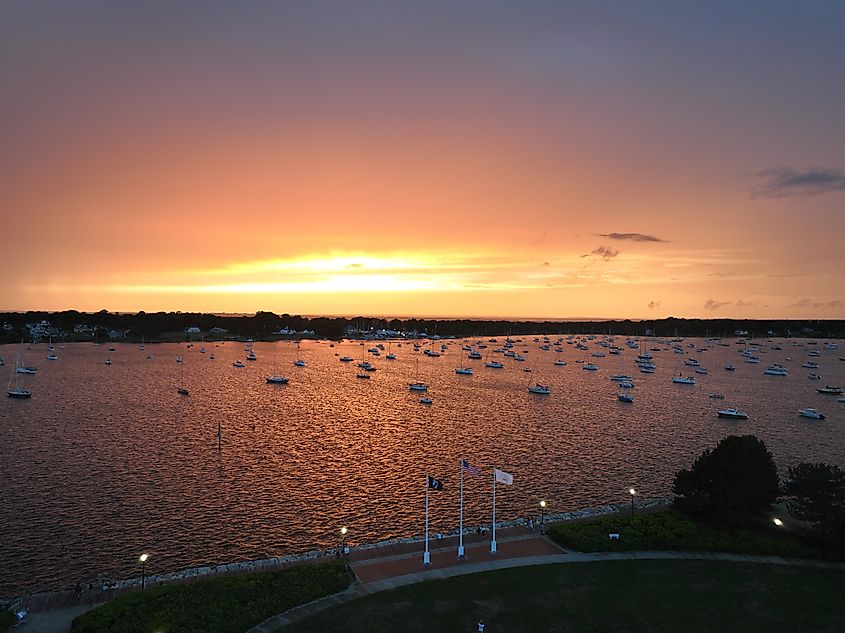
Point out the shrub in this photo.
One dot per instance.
(733, 484)
(228, 604)
(673, 531)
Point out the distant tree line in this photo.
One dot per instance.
(165, 325)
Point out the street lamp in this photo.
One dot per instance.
(343, 532)
(632, 492)
(777, 522)
(143, 558)
(543, 516)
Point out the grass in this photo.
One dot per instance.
(7, 619)
(228, 604)
(674, 531)
(628, 596)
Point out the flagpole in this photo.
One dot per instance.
(426, 555)
(493, 542)
(461, 521)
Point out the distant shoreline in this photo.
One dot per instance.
(104, 326)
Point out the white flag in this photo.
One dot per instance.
(502, 477)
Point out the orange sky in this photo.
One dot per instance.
(430, 161)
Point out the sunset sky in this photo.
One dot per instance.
(469, 158)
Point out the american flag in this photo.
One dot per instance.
(465, 465)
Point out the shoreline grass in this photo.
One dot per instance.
(226, 604)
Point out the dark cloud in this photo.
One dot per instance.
(710, 304)
(634, 237)
(604, 252)
(808, 303)
(654, 304)
(785, 181)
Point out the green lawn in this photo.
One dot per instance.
(7, 618)
(228, 604)
(674, 531)
(613, 596)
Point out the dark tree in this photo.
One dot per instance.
(733, 484)
(816, 493)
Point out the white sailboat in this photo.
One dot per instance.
(180, 388)
(463, 370)
(17, 391)
(276, 379)
(417, 385)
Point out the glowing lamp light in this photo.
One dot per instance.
(777, 522)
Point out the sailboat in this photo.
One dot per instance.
(463, 370)
(50, 348)
(298, 362)
(181, 389)
(417, 385)
(276, 379)
(18, 391)
(390, 355)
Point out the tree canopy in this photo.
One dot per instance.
(816, 493)
(734, 483)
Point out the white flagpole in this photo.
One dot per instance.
(461, 521)
(493, 542)
(426, 555)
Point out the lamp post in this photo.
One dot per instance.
(143, 558)
(777, 522)
(343, 532)
(632, 492)
(543, 516)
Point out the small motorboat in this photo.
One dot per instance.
(716, 396)
(181, 391)
(108, 361)
(250, 355)
(811, 413)
(835, 391)
(463, 371)
(299, 363)
(426, 400)
(624, 397)
(363, 376)
(52, 357)
(494, 364)
(733, 413)
(590, 367)
(729, 367)
(238, 363)
(627, 384)
(278, 380)
(543, 390)
(814, 376)
(560, 363)
(418, 386)
(345, 359)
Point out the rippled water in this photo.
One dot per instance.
(105, 462)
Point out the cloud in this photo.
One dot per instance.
(634, 237)
(824, 305)
(785, 181)
(604, 252)
(748, 304)
(654, 304)
(710, 304)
